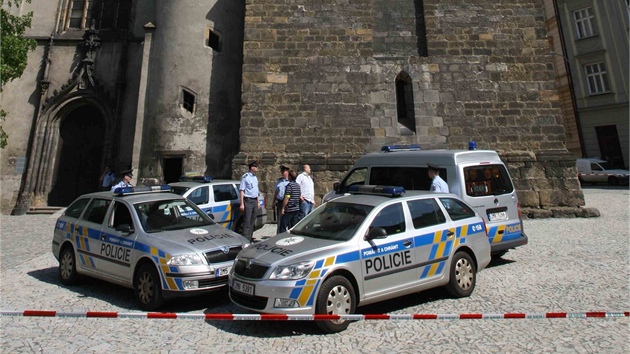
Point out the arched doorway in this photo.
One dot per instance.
(80, 153)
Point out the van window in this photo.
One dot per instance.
(487, 180)
(355, 177)
(411, 178)
(596, 167)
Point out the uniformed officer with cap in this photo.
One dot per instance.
(249, 199)
(278, 195)
(125, 182)
(438, 184)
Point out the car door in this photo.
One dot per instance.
(388, 264)
(117, 246)
(201, 196)
(225, 207)
(434, 238)
(87, 233)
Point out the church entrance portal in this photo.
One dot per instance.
(79, 156)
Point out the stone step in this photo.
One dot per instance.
(43, 210)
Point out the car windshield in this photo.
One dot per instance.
(179, 190)
(178, 214)
(333, 221)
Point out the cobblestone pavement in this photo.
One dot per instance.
(570, 265)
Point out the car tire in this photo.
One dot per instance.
(463, 275)
(336, 297)
(613, 181)
(68, 266)
(147, 287)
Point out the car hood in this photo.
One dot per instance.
(198, 239)
(286, 247)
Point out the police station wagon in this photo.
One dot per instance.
(355, 250)
(218, 198)
(158, 243)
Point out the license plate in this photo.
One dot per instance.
(243, 288)
(502, 215)
(220, 272)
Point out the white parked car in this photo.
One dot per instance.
(597, 171)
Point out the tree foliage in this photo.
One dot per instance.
(14, 48)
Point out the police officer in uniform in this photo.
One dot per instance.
(438, 184)
(249, 199)
(126, 181)
(278, 195)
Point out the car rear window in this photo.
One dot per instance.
(484, 180)
(75, 209)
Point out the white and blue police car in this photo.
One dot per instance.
(218, 198)
(375, 244)
(156, 242)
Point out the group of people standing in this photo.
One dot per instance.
(293, 197)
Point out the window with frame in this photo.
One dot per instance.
(122, 216)
(188, 101)
(405, 106)
(485, 180)
(584, 22)
(425, 212)
(75, 209)
(199, 195)
(103, 14)
(597, 78)
(456, 209)
(391, 218)
(223, 192)
(213, 39)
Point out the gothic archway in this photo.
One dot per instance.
(80, 154)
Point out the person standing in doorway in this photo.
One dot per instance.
(249, 199)
(438, 184)
(278, 194)
(107, 179)
(291, 204)
(307, 190)
(126, 180)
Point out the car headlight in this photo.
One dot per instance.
(292, 272)
(185, 259)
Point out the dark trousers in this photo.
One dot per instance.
(289, 219)
(249, 219)
(279, 216)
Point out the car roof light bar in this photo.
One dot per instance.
(391, 148)
(140, 190)
(389, 191)
(201, 179)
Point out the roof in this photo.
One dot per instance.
(375, 200)
(441, 158)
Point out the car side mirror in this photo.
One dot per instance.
(211, 216)
(124, 228)
(375, 232)
(336, 186)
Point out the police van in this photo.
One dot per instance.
(220, 199)
(479, 177)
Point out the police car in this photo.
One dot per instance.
(158, 243)
(375, 244)
(218, 198)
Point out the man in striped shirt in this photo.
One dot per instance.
(291, 204)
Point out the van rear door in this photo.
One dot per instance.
(488, 188)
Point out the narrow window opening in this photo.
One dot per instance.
(188, 101)
(421, 29)
(405, 106)
(213, 39)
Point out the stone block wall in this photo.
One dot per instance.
(319, 84)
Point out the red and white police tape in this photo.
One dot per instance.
(275, 317)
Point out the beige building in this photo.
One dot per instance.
(591, 39)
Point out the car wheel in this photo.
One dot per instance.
(613, 181)
(335, 297)
(147, 288)
(463, 275)
(68, 267)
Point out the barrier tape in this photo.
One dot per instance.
(278, 317)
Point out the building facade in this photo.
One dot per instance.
(593, 43)
(170, 87)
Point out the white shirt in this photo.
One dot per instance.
(438, 185)
(307, 186)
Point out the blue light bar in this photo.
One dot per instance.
(201, 179)
(389, 191)
(390, 148)
(145, 189)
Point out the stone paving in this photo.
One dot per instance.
(570, 265)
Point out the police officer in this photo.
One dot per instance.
(249, 199)
(278, 195)
(438, 184)
(126, 181)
